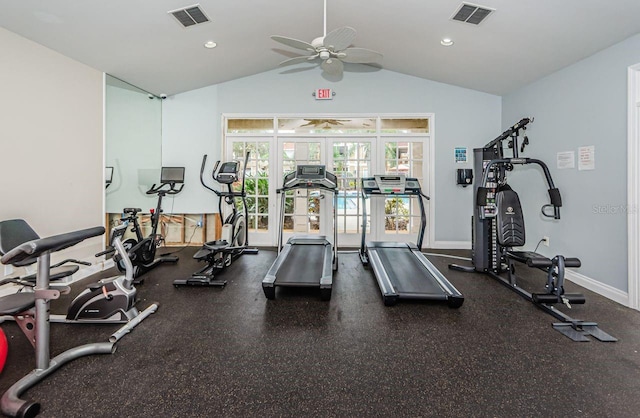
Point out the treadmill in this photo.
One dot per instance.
(305, 260)
(401, 270)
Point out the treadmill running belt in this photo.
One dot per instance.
(401, 266)
(303, 265)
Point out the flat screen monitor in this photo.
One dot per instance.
(172, 175)
(108, 175)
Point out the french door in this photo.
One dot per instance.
(351, 160)
(258, 186)
(307, 212)
(401, 215)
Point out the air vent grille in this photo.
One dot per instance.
(472, 13)
(190, 15)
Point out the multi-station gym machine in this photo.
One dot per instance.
(498, 227)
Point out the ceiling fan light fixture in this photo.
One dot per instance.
(446, 42)
(333, 49)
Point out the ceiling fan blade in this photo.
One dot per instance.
(294, 43)
(339, 39)
(360, 56)
(298, 60)
(332, 66)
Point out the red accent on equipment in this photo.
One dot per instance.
(4, 349)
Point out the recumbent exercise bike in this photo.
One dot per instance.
(114, 298)
(234, 241)
(110, 300)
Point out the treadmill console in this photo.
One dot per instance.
(390, 184)
(310, 176)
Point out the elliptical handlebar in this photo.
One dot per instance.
(204, 162)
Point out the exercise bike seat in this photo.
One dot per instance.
(17, 302)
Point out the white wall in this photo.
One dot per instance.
(584, 104)
(190, 129)
(462, 118)
(51, 165)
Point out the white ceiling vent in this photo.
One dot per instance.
(472, 13)
(190, 15)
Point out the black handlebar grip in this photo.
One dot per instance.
(572, 262)
(107, 251)
(554, 195)
(152, 190)
(481, 198)
(204, 161)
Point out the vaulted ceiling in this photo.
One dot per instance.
(141, 43)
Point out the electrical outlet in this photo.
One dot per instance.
(199, 224)
(545, 241)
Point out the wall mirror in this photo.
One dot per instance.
(133, 146)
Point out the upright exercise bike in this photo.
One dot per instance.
(234, 241)
(141, 250)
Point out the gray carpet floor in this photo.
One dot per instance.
(231, 352)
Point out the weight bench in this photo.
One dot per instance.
(511, 233)
(31, 310)
(15, 232)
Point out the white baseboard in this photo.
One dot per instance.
(452, 245)
(605, 290)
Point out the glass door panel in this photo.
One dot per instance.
(402, 214)
(351, 161)
(257, 186)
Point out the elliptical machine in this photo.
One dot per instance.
(219, 254)
(141, 250)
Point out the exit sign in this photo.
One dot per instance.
(324, 94)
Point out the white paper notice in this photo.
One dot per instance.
(566, 159)
(587, 158)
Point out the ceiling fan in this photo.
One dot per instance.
(326, 122)
(332, 49)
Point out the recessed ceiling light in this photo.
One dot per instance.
(210, 44)
(446, 42)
